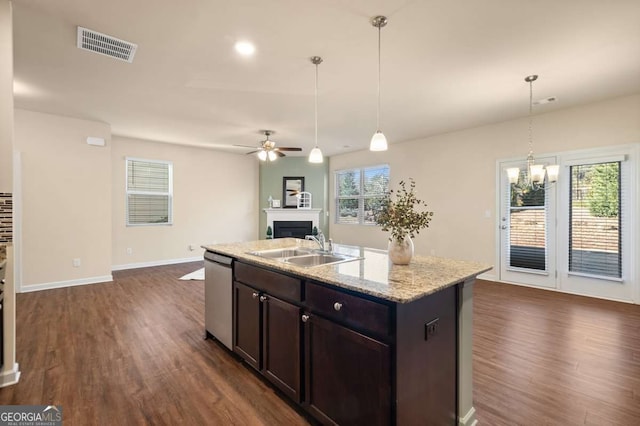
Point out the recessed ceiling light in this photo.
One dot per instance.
(245, 48)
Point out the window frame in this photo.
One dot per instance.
(624, 197)
(360, 197)
(169, 193)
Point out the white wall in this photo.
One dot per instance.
(66, 193)
(6, 97)
(455, 173)
(215, 200)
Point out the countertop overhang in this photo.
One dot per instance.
(374, 275)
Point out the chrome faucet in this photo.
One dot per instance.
(321, 242)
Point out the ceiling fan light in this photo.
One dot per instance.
(378, 142)
(315, 156)
(272, 156)
(513, 173)
(552, 172)
(262, 155)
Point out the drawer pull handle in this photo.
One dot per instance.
(263, 298)
(337, 306)
(254, 295)
(305, 318)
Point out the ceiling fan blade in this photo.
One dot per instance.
(246, 146)
(252, 152)
(288, 149)
(280, 154)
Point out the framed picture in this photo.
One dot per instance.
(291, 186)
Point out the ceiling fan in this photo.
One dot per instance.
(267, 151)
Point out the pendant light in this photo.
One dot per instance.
(315, 156)
(378, 141)
(534, 178)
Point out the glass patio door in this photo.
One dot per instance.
(596, 216)
(527, 229)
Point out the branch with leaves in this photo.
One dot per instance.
(398, 214)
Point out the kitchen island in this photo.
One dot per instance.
(360, 341)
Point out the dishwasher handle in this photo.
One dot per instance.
(217, 258)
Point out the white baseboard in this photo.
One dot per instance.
(469, 419)
(155, 263)
(8, 378)
(487, 276)
(69, 283)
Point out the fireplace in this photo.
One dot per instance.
(292, 218)
(291, 228)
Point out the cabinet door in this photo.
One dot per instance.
(281, 345)
(348, 377)
(246, 332)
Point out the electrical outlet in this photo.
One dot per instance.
(431, 329)
(129, 251)
(76, 262)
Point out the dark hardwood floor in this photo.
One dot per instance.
(131, 352)
(547, 358)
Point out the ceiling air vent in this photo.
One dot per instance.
(103, 44)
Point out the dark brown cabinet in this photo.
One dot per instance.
(267, 329)
(281, 345)
(348, 375)
(246, 331)
(345, 357)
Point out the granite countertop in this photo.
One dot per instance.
(373, 275)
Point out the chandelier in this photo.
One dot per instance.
(534, 176)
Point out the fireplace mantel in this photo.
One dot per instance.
(293, 214)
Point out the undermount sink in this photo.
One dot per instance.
(304, 257)
(283, 252)
(319, 259)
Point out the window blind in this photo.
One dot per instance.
(595, 219)
(526, 245)
(149, 192)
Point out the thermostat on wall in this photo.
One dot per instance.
(91, 140)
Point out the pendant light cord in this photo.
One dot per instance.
(316, 105)
(531, 116)
(379, 38)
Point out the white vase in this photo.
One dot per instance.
(400, 251)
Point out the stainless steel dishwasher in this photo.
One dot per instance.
(218, 297)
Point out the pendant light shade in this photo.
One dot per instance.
(315, 156)
(378, 141)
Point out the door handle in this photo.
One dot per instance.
(503, 227)
(305, 318)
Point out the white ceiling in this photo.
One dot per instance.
(446, 65)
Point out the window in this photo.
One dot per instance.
(595, 222)
(149, 192)
(359, 192)
(527, 227)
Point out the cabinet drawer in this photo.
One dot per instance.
(275, 284)
(353, 310)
